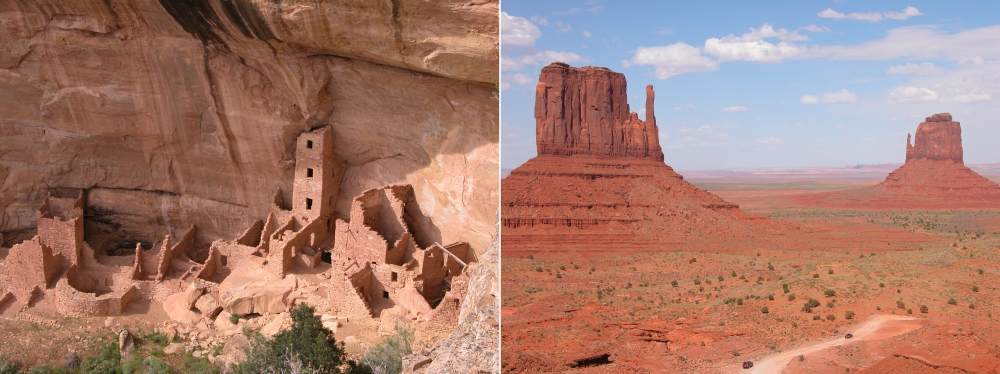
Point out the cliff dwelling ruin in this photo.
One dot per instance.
(378, 267)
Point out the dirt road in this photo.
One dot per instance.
(870, 329)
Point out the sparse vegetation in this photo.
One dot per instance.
(923, 309)
(764, 310)
(952, 301)
(830, 293)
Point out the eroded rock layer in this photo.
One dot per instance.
(173, 113)
(585, 111)
(588, 203)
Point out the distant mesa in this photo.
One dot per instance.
(585, 111)
(934, 176)
(599, 182)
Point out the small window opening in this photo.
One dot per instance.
(309, 204)
(309, 144)
(395, 276)
(309, 173)
(385, 294)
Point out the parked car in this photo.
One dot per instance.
(848, 336)
(747, 364)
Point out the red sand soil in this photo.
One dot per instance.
(620, 302)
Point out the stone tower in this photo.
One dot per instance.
(318, 172)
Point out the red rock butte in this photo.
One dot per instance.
(934, 176)
(585, 111)
(599, 182)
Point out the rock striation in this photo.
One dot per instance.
(585, 111)
(599, 182)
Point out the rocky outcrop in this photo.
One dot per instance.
(938, 138)
(933, 177)
(474, 346)
(599, 180)
(585, 111)
(173, 113)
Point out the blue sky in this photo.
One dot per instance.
(754, 84)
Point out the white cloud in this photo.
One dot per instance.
(906, 13)
(517, 31)
(841, 96)
(587, 34)
(925, 68)
(872, 16)
(689, 106)
(509, 80)
(919, 42)
(563, 27)
(704, 136)
(539, 58)
(539, 20)
(735, 109)
(816, 28)
(910, 94)
(752, 46)
(671, 60)
(968, 98)
(766, 141)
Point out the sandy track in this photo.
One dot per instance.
(867, 330)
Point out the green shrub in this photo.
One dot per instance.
(155, 338)
(764, 310)
(975, 288)
(234, 319)
(107, 363)
(952, 301)
(154, 365)
(830, 317)
(9, 367)
(388, 356)
(306, 343)
(739, 301)
(830, 293)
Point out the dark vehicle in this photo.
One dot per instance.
(848, 336)
(747, 364)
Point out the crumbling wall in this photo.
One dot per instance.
(444, 317)
(270, 225)
(30, 264)
(212, 264)
(165, 257)
(137, 271)
(65, 237)
(251, 236)
(348, 291)
(432, 272)
(460, 250)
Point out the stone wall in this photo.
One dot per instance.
(30, 264)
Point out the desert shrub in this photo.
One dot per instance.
(697, 281)
(899, 290)
(234, 319)
(739, 301)
(972, 306)
(733, 274)
(388, 356)
(900, 304)
(791, 297)
(558, 275)
(923, 309)
(106, 363)
(849, 314)
(46, 369)
(306, 342)
(980, 271)
(829, 304)
(975, 288)
(693, 260)
(881, 285)
(764, 310)
(830, 317)
(539, 269)
(736, 353)
(909, 311)
(673, 283)
(156, 338)
(952, 301)
(154, 365)
(9, 367)
(770, 296)
(563, 267)
(816, 317)
(721, 278)
(802, 357)
(830, 293)
(830, 271)
(815, 275)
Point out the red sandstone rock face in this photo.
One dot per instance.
(599, 182)
(938, 138)
(585, 111)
